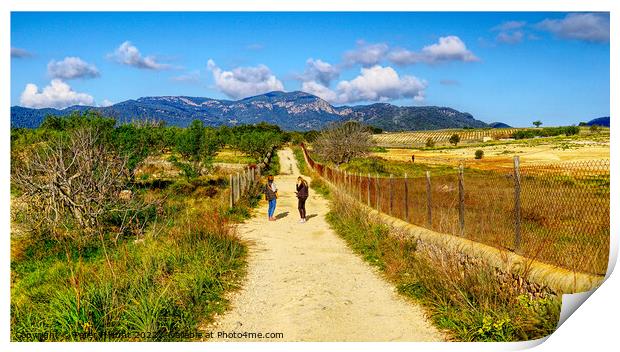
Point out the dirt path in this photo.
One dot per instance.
(304, 282)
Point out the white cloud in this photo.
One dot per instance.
(509, 37)
(106, 103)
(376, 83)
(320, 71)
(447, 49)
(321, 91)
(366, 54)
(243, 82)
(128, 54)
(71, 67)
(509, 26)
(19, 53)
(450, 48)
(57, 94)
(593, 27)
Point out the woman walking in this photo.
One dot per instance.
(302, 195)
(271, 194)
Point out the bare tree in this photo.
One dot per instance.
(70, 183)
(339, 143)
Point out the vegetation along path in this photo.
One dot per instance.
(303, 281)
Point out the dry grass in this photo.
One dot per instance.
(471, 302)
(564, 215)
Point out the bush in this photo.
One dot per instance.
(571, 130)
(430, 142)
(479, 154)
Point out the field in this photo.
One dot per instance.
(419, 138)
(564, 194)
(499, 154)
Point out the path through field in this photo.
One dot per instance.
(304, 282)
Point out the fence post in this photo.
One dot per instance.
(368, 190)
(378, 193)
(243, 181)
(461, 201)
(359, 185)
(231, 186)
(429, 212)
(517, 176)
(391, 195)
(237, 187)
(406, 199)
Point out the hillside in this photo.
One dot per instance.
(601, 121)
(289, 110)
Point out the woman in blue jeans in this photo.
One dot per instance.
(271, 194)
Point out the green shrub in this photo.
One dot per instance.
(479, 154)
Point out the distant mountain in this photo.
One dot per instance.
(499, 125)
(289, 110)
(601, 121)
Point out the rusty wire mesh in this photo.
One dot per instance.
(557, 213)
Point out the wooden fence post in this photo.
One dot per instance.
(231, 186)
(242, 181)
(461, 201)
(391, 195)
(359, 186)
(368, 190)
(237, 187)
(517, 176)
(378, 193)
(429, 211)
(406, 199)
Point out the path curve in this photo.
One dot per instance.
(304, 282)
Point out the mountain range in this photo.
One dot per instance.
(290, 110)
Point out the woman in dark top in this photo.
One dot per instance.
(302, 195)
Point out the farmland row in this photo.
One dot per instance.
(418, 138)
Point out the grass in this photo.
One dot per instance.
(301, 161)
(157, 287)
(382, 167)
(233, 157)
(470, 302)
(273, 168)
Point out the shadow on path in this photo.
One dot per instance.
(308, 217)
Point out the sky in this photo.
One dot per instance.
(510, 67)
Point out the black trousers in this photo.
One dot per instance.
(301, 206)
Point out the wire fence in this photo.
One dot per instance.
(557, 213)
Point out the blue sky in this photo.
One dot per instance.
(509, 67)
